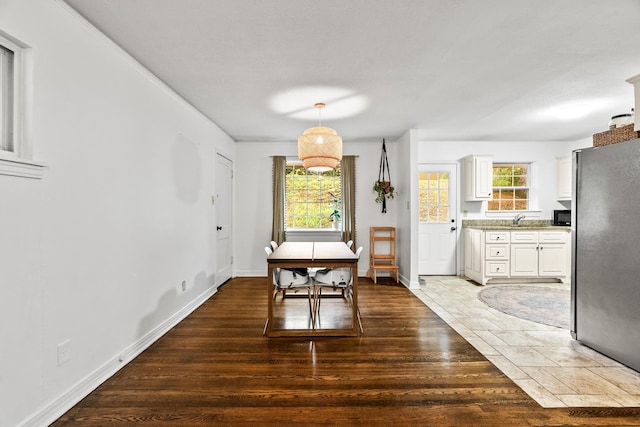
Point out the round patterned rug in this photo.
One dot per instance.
(540, 304)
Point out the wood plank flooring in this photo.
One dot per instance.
(409, 368)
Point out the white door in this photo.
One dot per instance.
(438, 223)
(223, 204)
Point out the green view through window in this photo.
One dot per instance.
(312, 200)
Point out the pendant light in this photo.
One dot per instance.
(320, 148)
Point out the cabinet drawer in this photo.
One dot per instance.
(524, 236)
(553, 237)
(497, 252)
(497, 237)
(497, 268)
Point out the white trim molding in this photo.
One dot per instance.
(82, 388)
(21, 168)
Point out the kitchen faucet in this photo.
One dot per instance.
(517, 218)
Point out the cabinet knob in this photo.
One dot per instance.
(497, 252)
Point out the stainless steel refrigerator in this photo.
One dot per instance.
(605, 287)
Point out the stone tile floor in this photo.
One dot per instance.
(544, 361)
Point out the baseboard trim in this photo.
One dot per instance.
(54, 410)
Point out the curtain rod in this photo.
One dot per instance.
(352, 155)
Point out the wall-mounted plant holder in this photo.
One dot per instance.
(382, 187)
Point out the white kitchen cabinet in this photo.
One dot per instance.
(496, 252)
(486, 254)
(564, 178)
(477, 170)
(524, 260)
(554, 255)
(473, 252)
(539, 254)
(526, 253)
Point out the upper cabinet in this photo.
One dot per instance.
(564, 174)
(477, 170)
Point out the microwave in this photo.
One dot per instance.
(562, 217)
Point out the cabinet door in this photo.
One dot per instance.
(564, 175)
(524, 260)
(473, 254)
(552, 260)
(478, 177)
(483, 177)
(478, 254)
(468, 250)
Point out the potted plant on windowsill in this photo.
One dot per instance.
(335, 215)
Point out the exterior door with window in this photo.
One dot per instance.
(223, 207)
(438, 223)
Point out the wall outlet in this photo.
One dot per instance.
(64, 352)
(184, 285)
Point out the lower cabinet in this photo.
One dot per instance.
(516, 254)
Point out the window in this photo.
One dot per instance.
(312, 200)
(510, 187)
(6, 97)
(16, 156)
(434, 197)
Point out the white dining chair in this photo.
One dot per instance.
(337, 279)
(292, 279)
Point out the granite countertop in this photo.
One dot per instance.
(507, 224)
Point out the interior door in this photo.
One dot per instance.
(437, 239)
(223, 205)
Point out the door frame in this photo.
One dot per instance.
(218, 280)
(422, 167)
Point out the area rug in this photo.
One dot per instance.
(540, 304)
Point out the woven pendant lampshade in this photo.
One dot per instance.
(320, 147)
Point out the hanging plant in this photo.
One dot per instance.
(382, 187)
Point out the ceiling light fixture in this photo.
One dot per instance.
(320, 147)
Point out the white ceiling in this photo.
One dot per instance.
(499, 70)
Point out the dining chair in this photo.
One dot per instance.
(337, 279)
(349, 244)
(292, 279)
(274, 245)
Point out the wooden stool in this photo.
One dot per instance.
(382, 255)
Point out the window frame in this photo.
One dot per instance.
(496, 189)
(331, 228)
(429, 192)
(18, 159)
(7, 90)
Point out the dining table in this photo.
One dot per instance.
(312, 255)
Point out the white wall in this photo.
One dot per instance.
(253, 198)
(407, 224)
(95, 251)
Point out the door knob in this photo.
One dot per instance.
(218, 228)
(453, 229)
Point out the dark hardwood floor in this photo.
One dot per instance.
(409, 368)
